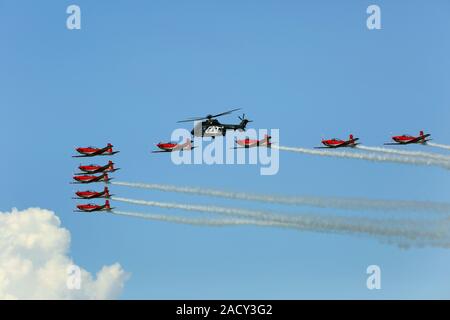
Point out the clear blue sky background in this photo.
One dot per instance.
(310, 68)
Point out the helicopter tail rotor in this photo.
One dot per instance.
(244, 121)
(243, 118)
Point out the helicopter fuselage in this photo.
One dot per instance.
(213, 128)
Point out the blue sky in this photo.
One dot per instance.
(309, 68)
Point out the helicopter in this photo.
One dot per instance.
(211, 127)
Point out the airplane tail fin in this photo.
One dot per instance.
(110, 150)
(106, 191)
(107, 206)
(424, 136)
(269, 143)
(350, 137)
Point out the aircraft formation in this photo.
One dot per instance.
(93, 173)
(208, 127)
(211, 127)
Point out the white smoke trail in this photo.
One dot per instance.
(327, 224)
(368, 156)
(192, 221)
(199, 208)
(322, 202)
(437, 145)
(435, 156)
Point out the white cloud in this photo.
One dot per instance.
(34, 261)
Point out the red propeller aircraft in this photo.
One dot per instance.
(407, 139)
(338, 143)
(249, 143)
(93, 151)
(93, 207)
(93, 168)
(173, 146)
(89, 179)
(93, 194)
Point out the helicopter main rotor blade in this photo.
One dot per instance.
(226, 112)
(209, 116)
(193, 119)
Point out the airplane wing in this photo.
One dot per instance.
(101, 170)
(83, 173)
(96, 153)
(99, 152)
(349, 144)
(160, 151)
(421, 138)
(105, 154)
(346, 143)
(409, 142)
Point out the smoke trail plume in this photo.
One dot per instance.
(368, 156)
(437, 145)
(406, 229)
(192, 221)
(435, 156)
(321, 202)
